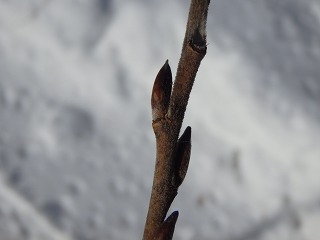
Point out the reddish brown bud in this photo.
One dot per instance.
(161, 92)
(182, 156)
(167, 228)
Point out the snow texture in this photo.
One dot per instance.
(76, 145)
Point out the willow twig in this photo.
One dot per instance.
(168, 109)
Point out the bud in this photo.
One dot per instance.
(167, 228)
(161, 92)
(182, 156)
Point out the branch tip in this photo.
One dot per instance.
(197, 21)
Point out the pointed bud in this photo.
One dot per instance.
(161, 92)
(167, 228)
(183, 156)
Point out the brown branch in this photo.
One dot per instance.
(168, 109)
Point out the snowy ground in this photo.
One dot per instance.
(76, 144)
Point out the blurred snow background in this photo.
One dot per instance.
(76, 143)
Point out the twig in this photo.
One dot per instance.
(168, 109)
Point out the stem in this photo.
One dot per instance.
(173, 154)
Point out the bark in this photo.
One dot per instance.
(168, 109)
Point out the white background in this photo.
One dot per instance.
(76, 145)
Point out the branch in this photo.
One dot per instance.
(168, 109)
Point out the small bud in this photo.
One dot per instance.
(161, 92)
(167, 228)
(183, 156)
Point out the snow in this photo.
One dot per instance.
(76, 144)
